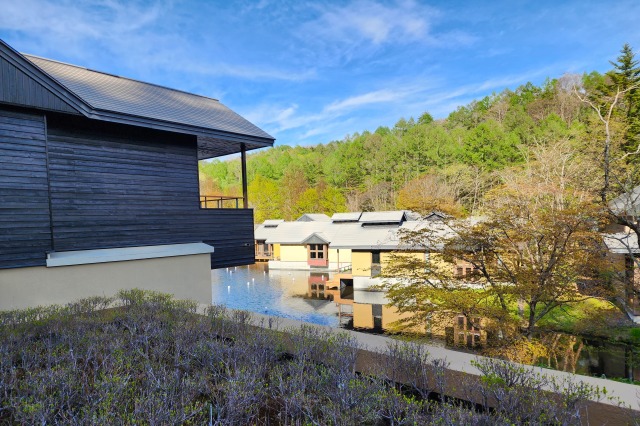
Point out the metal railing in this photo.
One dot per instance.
(219, 202)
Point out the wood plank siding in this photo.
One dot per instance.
(89, 160)
(121, 186)
(17, 88)
(25, 235)
(111, 186)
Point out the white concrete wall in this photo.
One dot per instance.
(187, 277)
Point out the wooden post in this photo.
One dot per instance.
(245, 198)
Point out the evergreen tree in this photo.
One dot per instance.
(626, 76)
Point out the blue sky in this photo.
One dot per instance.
(311, 72)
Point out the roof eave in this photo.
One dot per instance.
(16, 59)
(84, 108)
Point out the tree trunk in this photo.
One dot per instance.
(532, 319)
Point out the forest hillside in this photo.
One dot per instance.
(577, 132)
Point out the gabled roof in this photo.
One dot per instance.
(314, 217)
(350, 235)
(316, 238)
(296, 232)
(346, 217)
(101, 96)
(436, 215)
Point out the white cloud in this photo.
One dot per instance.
(365, 20)
(139, 35)
(247, 72)
(378, 96)
(364, 28)
(278, 119)
(65, 20)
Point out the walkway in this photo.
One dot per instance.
(628, 394)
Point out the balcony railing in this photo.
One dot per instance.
(220, 202)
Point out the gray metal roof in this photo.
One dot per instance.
(272, 223)
(627, 203)
(346, 217)
(262, 232)
(383, 217)
(297, 232)
(103, 96)
(622, 242)
(436, 215)
(346, 235)
(384, 237)
(314, 217)
(360, 237)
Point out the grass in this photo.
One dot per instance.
(587, 315)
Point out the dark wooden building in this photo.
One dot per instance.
(96, 166)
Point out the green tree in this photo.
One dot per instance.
(308, 202)
(293, 186)
(265, 198)
(332, 201)
(534, 256)
(538, 240)
(625, 76)
(425, 119)
(490, 147)
(429, 193)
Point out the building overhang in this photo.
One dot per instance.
(85, 257)
(212, 142)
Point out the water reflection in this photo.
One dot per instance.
(289, 294)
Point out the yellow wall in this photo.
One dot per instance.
(345, 255)
(361, 264)
(362, 315)
(187, 277)
(290, 253)
(385, 256)
(276, 251)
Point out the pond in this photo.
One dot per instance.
(289, 294)
(279, 293)
(295, 294)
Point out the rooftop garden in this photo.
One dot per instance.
(145, 358)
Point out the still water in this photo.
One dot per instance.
(285, 294)
(289, 294)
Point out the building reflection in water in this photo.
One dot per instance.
(281, 293)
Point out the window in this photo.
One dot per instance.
(316, 251)
(375, 257)
(464, 269)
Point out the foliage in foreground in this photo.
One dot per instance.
(143, 358)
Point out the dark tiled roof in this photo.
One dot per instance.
(120, 95)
